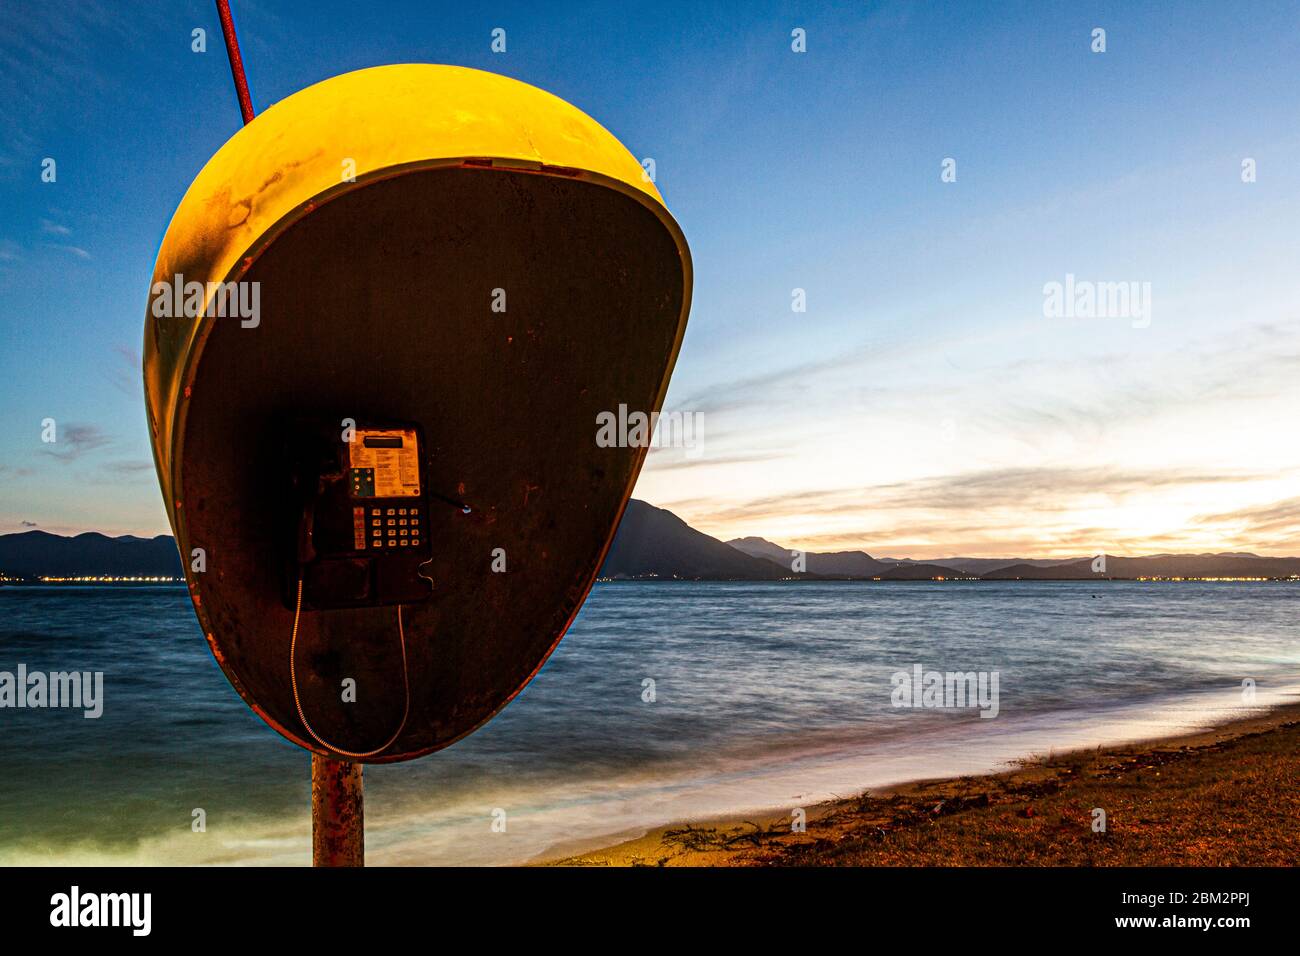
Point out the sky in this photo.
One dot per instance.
(922, 404)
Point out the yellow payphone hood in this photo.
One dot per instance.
(338, 135)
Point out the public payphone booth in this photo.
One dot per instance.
(383, 323)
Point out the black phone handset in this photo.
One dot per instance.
(362, 531)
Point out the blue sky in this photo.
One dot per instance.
(923, 405)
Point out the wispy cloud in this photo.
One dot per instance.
(1022, 489)
(51, 51)
(128, 468)
(1272, 526)
(1037, 488)
(781, 384)
(77, 251)
(124, 371)
(75, 441)
(1034, 511)
(677, 459)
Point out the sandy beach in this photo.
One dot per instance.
(1217, 797)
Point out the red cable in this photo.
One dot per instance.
(236, 61)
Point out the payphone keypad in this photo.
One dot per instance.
(395, 527)
(363, 528)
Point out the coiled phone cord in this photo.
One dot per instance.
(293, 679)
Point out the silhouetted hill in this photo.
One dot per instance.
(34, 553)
(977, 566)
(840, 564)
(851, 565)
(860, 565)
(1235, 565)
(920, 571)
(652, 542)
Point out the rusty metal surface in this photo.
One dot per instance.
(377, 306)
(338, 832)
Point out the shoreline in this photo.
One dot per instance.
(1219, 795)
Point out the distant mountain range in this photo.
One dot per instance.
(857, 565)
(655, 544)
(39, 553)
(845, 565)
(1157, 566)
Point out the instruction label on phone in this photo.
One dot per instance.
(385, 463)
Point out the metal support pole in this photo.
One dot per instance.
(236, 61)
(338, 832)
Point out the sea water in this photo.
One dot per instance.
(666, 701)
